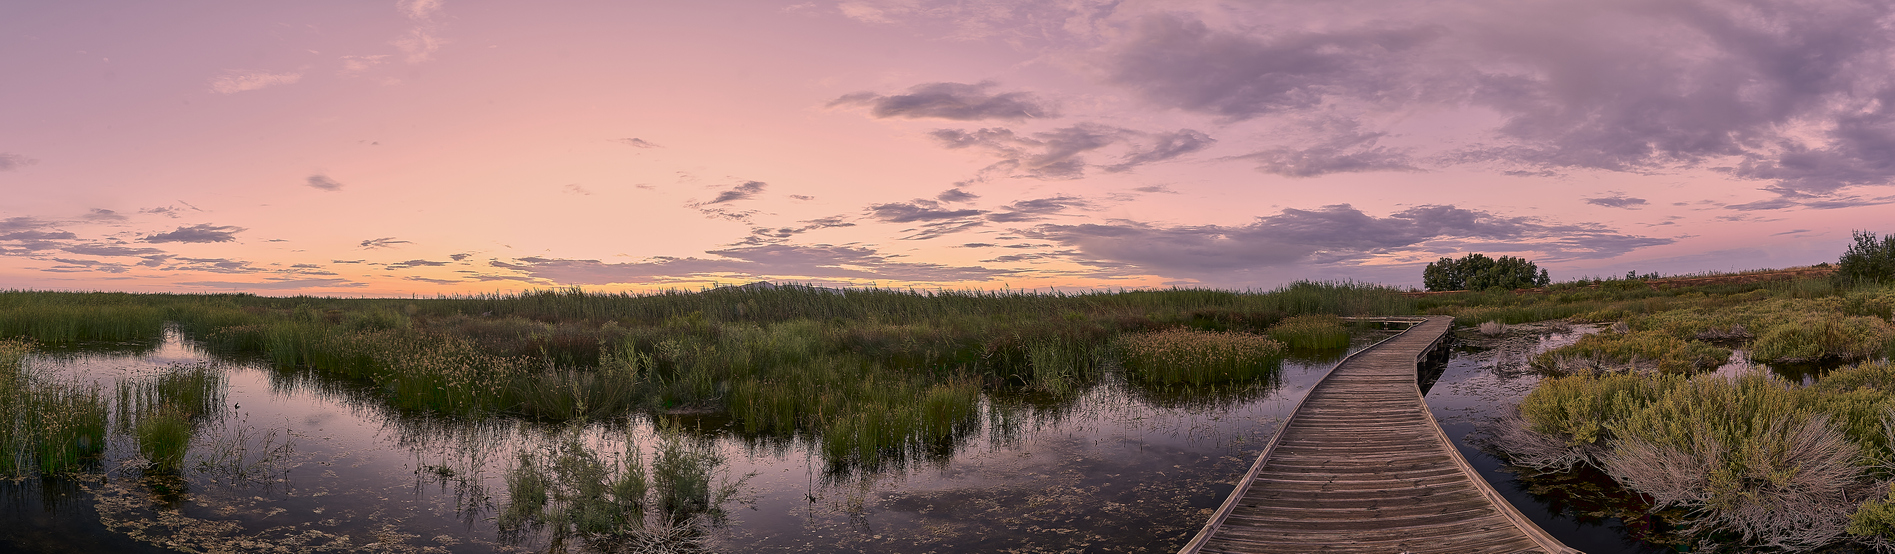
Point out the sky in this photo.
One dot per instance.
(423, 147)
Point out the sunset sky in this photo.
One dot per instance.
(455, 146)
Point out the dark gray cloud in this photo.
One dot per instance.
(746, 191)
(759, 261)
(1796, 93)
(1061, 153)
(415, 263)
(951, 101)
(9, 162)
(284, 284)
(212, 265)
(1617, 201)
(956, 195)
(109, 250)
(200, 233)
(323, 182)
(74, 266)
(1176, 60)
(636, 143)
(433, 280)
(1164, 146)
(384, 242)
(1340, 146)
(1332, 235)
(23, 223)
(1037, 209)
(931, 218)
(100, 214)
(460, 256)
(38, 235)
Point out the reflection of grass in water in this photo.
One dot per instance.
(571, 493)
(48, 424)
(163, 413)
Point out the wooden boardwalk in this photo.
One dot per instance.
(1361, 466)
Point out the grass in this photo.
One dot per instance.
(1637, 351)
(569, 491)
(1759, 461)
(1310, 331)
(1195, 357)
(51, 425)
(162, 413)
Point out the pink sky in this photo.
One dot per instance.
(443, 146)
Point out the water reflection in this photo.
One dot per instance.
(308, 463)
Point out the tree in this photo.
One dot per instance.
(1478, 272)
(1868, 260)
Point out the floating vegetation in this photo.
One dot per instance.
(1636, 352)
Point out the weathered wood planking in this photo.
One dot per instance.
(1361, 466)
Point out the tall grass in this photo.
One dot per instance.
(1639, 351)
(163, 412)
(1311, 331)
(46, 424)
(1198, 357)
(570, 491)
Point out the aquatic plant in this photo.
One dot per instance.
(1757, 460)
(1641, 351)
(163, 412)
(46, 424)
(1198, 357)
(1310, 331)
(571, 492)
(1492, 328)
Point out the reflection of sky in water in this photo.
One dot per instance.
(1110, 472)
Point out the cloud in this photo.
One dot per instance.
(955, 101)
(1037, 209)
(167, 211)
(636, 143)
(1617, 200)
(235, 82)
(770, 260)
(384, 242)
(433, 280)
(10, 162)
(38, 235)
(415, 263)
(808, 225)
(419, 45)
(358, 64)
(101, 214)
(459, 257)
(746, 191)
(323, 182)
(1165, 146)
(576, 189)
(286, 284)
(1055, 154)
(917, 211)
(213, 265)
(108, 250)
(200, 233)
(1334, 146)
(1786, 93)
(955, 195)
(419, 10)
(1337, 234)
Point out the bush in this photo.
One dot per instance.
(1479, 272)
(1868, 260)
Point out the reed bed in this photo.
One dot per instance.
(1311, 331)
(1638, 351)
(1198, 357)
(52, 425)
(571, 492)
(163, 413)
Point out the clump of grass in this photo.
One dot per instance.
(1757, 461)
(1638, 351)
(571, 492)
(1311, 331)
(162, 413)
(48, 424)
(1493, 328)
(1195, 357)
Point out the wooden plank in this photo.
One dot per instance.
(1362, 466)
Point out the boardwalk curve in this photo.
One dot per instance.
(1362, 466)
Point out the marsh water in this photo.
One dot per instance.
(300, 464)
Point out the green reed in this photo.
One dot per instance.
(1198, 357)
(1311, 331)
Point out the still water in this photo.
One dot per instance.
(300, 464)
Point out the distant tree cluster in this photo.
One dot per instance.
(1870, 259)
(1479, 272)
